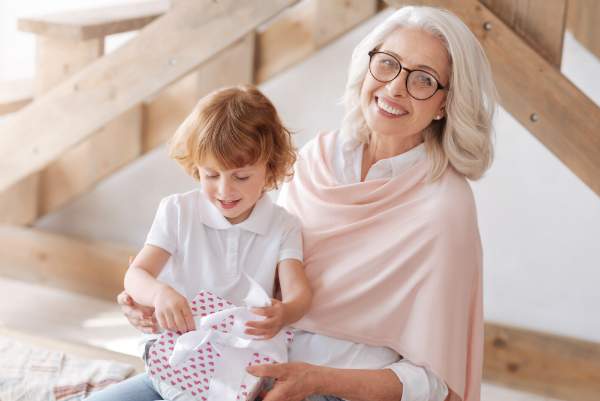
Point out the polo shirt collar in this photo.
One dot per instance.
(258, 222)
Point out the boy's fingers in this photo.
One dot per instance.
(161, 322)
(254, 332)
(268, 311)
(180, 323)
(189, 320)
(257, 324)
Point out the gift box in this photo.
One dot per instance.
(210, 362)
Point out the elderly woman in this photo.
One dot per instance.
(392, 247)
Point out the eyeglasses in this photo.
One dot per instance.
(385, 67)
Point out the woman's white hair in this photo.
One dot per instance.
(464, 137)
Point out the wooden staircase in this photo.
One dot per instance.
(86, 114)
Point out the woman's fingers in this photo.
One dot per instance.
(124, 299)
(272, 370)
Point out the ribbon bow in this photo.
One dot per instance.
(235, 347)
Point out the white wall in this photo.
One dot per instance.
(540, 225)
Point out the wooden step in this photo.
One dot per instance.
(95, 23)
(15, 94)
(91, 268)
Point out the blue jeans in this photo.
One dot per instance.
(139, 388)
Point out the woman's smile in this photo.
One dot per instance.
(389, 109)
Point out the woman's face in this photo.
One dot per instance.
(387, 107)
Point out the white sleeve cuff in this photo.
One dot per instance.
(418, 383)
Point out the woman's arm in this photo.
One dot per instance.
(296, 381)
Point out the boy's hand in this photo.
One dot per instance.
(273, 322)
(172, 310)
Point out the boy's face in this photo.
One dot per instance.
(234, 192)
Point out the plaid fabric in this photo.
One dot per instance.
(33, 374)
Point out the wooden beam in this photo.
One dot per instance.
(332, 18)
(19, 204)
(91, 268)
(82, 167)
(60, 58)
(188, 35)
(543, 100)
(95, 23)
(72, 348)
(302, 30)
(164, 113)
(15, 95)
(551, 365)
(582, 21)
(540, 23)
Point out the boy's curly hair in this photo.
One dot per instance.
(237, 126)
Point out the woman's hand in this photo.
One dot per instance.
(293, 381)
(139, 316)
(273, 322)
(173, 310)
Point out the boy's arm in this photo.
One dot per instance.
(140, 280)
(295, 290)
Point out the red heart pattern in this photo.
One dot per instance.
(192, 376)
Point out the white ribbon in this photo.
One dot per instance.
(236, 347)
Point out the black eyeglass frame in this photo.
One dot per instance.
(374, 52)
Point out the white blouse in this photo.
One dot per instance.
(419, 383)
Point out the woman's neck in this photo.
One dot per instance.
(379, 148)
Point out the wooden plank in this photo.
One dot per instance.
(15, 95)
(59, 58)
(285, 41)
(555, 366)
(164, 113)
(82, 167)
(72, 348)
(582, 21)
(302, 30)
(95, 23)
(540, 23)
(535, 92)
(334, 17)
(19, 204)
(91, 268)
(188, 35)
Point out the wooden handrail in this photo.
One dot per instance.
(15, 95)
(96, 22)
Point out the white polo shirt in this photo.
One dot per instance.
(210, 253)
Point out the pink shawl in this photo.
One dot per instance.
(393, 262)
